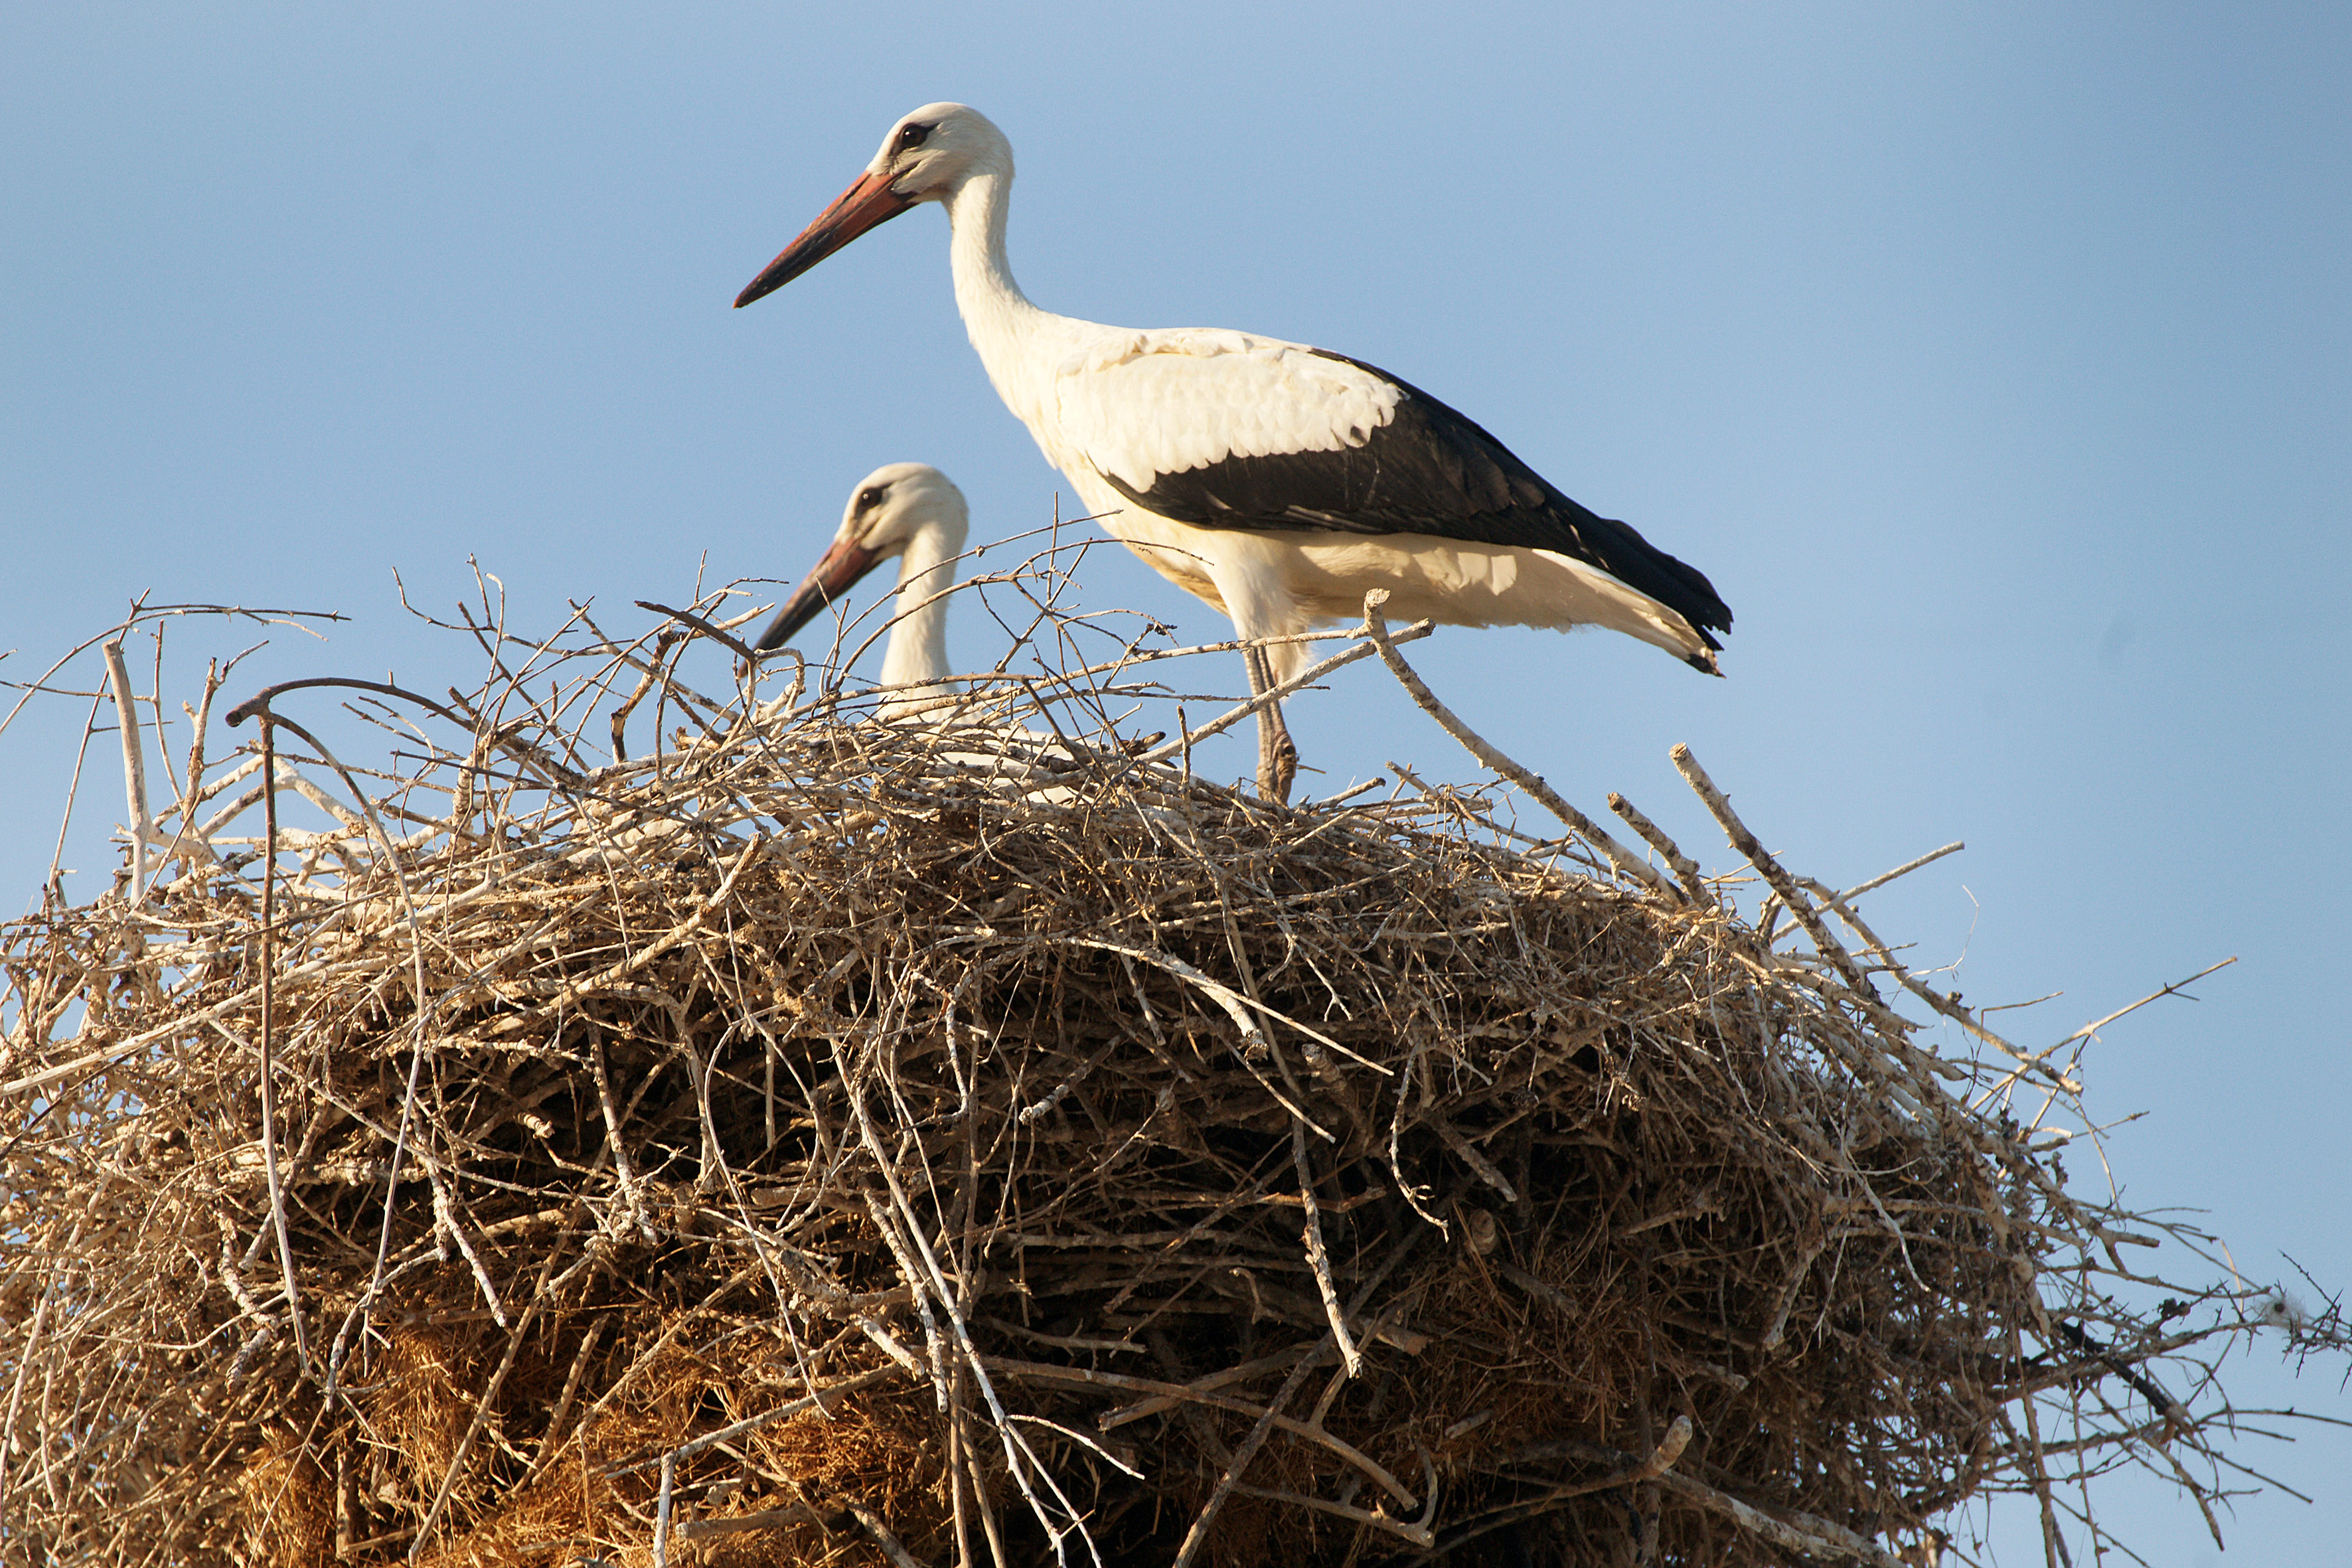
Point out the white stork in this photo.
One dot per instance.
(1278, 481)
(914, 512)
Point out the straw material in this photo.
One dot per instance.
(972, 1138)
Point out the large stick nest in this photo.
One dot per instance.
(837, 1142)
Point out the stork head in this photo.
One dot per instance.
(926, 157)
(891, 509)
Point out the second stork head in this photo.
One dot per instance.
(910, 510)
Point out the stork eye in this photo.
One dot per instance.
(870, 497)
(910, 136)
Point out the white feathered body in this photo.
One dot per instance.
(1108, 403)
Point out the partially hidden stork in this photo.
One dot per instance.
(914, 512)
(1278, 481)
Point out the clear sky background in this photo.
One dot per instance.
(1994, 361)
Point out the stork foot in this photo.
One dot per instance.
(1277, 771)
(1278, 754)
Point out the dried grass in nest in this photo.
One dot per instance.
(840, 1141)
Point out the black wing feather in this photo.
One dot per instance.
(1430, 470)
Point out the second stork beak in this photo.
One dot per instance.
(869, 202)
(832, 577)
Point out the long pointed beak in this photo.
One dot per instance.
(832, 577)
(866, 204)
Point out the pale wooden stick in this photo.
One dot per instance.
(1318, 1258)
(1905, 869)
(186, 840)
(1750, 845)
(661, 1511)
(445, 1213)
(134, 764)
(268, 958)
(1479, 1165)
(2088, 1030)
(930, 1282)
(1808, 1534)
(1630, 1472)
(766, 1519)
(551, 1441)
(1685, 868)
(883, 1538)
(1941, 1002)
(1231, 1000)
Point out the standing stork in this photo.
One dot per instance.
(1278, 481)
(914, 512)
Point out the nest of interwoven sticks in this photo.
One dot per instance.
(936, 1141)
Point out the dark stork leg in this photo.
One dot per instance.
(1278, 754)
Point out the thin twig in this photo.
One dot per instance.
(1616, 853)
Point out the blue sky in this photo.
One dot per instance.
(1995, 362)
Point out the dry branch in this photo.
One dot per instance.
(839, 1142)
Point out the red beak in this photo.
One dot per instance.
(832, 577)
(869, 202)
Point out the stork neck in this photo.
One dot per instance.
(918, 653)
(996, 314)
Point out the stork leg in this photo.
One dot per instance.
(1278, 754)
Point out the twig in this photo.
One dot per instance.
(1795, 1531)
(710, 629)
(1616, 853)
(269, 963)
(1188, 739)
(1685, 868)
(882, 1537)
(1198, 1533)
(1631, 1472)
(140, 826)
(1905, 869)
(1750, 847)
(1318, 1258)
